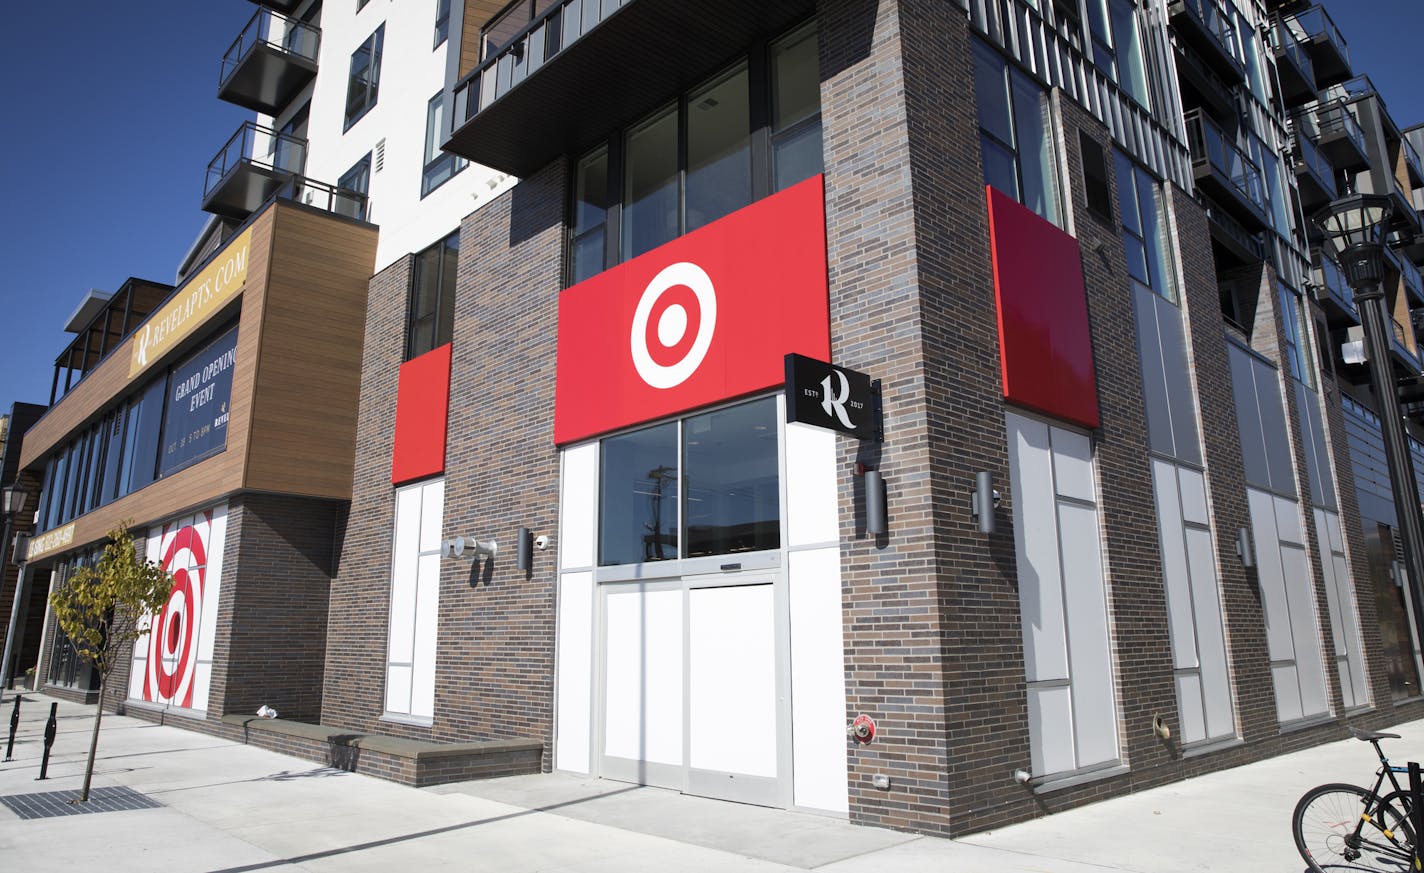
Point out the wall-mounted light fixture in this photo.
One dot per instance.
(1243, 547)
(524, 550)
(984, 501)
(875, 521)
(468, 548)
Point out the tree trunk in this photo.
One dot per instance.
(94, 741)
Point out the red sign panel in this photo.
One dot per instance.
(1045, 349)
(422, 415)
(706, 317)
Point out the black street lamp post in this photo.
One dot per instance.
(1355, 227)
(12, 503)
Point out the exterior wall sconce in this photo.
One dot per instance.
(468, 549)
(875, 510)
(985, 500)
(524, 550)
(1243, 547)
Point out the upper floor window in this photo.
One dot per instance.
(362, 85)
(442, 22)
(1296, 353)
(1144, 227)
(1014, 133)
(1117, 45)
(439, 166)
(431, 313)
(697, 160)
(357, 180)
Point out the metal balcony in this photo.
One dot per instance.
(250, 168)
(1336, 130)
(1412, 163)
(1293, 66)
(269, 63)
(1237, 245)
(1332, 292)
(1406, 362)
(1225, 171)
(1314, 174)
(582, 68)
(1201, 85)
(1329, 54)
(286, 7)
(1206, 25)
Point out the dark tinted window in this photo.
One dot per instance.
(432, 297)
(730, 474)
(638, 497)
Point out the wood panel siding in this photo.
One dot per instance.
(309, 365)
(477, 14)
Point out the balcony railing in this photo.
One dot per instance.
(1213, 20)
(520, 54)
(1295, 69)
(1411, 158)
(1321, 171)
(1413, 281)
(1227, 163)
(1337, 131)
(250, 167)
(270, 62)
(1350, 89)
(1332, 291)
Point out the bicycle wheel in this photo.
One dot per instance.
(1333, 836)
(1394, 814)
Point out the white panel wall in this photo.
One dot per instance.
(415, 600)
(1063, 598)
(731, 645)
(812, 504)
(818, 693)
(411, 73)
(575, 682)
(578, 506)
(1344, 618)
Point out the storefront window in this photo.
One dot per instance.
(650, 189)
(719, 167)
(708, 485)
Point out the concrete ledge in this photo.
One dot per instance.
(410, 762)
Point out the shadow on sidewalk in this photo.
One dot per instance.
(391, 841)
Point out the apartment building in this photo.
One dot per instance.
(1095, 498)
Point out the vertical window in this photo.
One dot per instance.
(1014, 133)
(442, 22)
(415, 601)
(1131, 68)
(112, 455)
(795, 108)
(361, 85)
(1144, 227)
(650, 208)
(708, 485)
(439, 166)
(432, 297)
(1296, 353)
(352, 190)
(590, 212)
(149, 433)
(719, 168)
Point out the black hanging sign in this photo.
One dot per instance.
(824, 395)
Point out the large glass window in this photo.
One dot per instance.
(1296, 351)
(357, 180)
(442, 22)
(439, 166)
(697, 159)
(432, 297)
(706, 485)
(1144, 227)
(1014, 133)
(362, 84)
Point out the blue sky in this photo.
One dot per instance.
(114, 121)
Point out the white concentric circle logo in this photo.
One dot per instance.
(673, 324)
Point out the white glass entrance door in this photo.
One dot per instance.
(690, 676)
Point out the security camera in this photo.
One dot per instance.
(541, 542)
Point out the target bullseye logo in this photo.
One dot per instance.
(173, 633)
(668, 348)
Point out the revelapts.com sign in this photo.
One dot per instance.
(199, 394)
(706, 317)
(198, 299)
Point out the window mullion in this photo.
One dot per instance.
(759, 95)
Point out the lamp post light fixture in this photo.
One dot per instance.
(1355, 228)
(12, 503)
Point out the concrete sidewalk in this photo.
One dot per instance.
(228, 807)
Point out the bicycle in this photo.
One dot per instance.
(1346, 827)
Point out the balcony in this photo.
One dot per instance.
(1322, 40)
(250, 168)
(1207, 26)
(1237, 245)
(1335, 129)
(269, 63)
(1225, 172)
(1293, 66)
(286, 7)
(1201, 86)
(580, 69)
(1333, 293)
(1406, 363)
(1412, 162)
(1314, 174)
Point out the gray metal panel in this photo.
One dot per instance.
(1317, 454)
(1372, 488)
(1154, 381)
(1180, 396)
(1248, 417)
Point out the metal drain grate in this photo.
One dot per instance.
(48, 804)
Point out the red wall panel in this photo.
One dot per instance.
(422, 414)
(1045, 349)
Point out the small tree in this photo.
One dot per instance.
(104, 608)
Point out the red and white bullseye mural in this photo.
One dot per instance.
(173, 661)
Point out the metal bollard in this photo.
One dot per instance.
(51, 727)
(14, 726)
